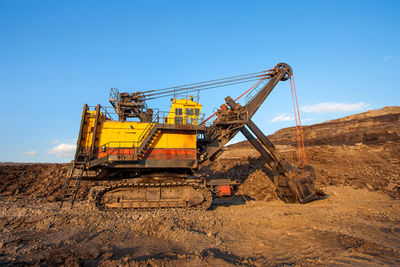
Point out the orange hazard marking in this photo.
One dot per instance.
(224, 190)
(116, 151)
(168, 153)
(155, 153)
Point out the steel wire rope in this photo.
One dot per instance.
(195, 89)
(300, 140)
(225, 83)
(224, 106)
(191, 84)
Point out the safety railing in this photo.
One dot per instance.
(255, 90)
(162, 117)
(165, 117)
(191, 95)
(148, 128)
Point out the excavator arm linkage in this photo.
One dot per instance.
(293, 184)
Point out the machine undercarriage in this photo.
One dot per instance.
(175, 193)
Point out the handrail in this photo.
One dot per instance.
(148, 128)
(255, 90)
(158, 116)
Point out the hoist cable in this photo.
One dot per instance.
(300, 140)
(198, 83)
(301, 128)
(224, 83)
(223, 107)
(198, 89)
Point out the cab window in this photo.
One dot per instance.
(189, 112)
(178, 112)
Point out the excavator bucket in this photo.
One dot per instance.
(298, 186)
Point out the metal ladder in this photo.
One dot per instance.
(79, 167)
(149, 137)
(255, 91)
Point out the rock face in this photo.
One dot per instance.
(371, 127)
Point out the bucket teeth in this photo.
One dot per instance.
(298, 186)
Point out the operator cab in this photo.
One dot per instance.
(184, 111)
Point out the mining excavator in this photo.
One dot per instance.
(150, 159)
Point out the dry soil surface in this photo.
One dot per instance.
(358, 224)
(352, 226)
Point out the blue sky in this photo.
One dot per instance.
(57, 55)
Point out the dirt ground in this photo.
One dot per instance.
(358, 224)
(352, 226)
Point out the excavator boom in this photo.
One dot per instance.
(293, 184)
(225, 126)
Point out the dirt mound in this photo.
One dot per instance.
(251, 172)
(35, 181)
(373, 167)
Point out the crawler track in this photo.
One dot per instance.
(148, 196)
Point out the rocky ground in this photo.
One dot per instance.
(358, 224)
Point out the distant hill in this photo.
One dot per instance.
(370, 127)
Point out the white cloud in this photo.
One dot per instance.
(331, 107)
(391, 59)
(29, 153)
(282, 117)
(63, 150)
(387, 58)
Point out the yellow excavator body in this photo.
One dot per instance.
(151, 159)
(123, 138)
